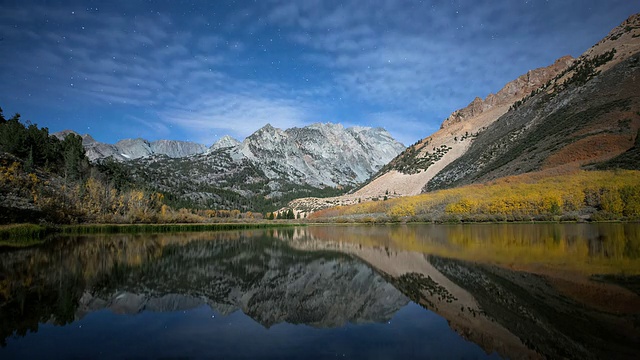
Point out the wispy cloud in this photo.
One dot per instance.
(239, 115)
(150, 63)
(403, 65)
(425, 60)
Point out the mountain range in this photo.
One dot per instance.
(271, 166)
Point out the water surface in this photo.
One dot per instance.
(414, 291)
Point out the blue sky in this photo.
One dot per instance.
(197, 70)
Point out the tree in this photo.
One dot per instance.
(74, 158)
(13, 137)
(611, 202)
(28, 164)
(117, 173)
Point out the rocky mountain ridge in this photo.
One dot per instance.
(128, 149)
(321, 154)
(270, 166)
(512, 91)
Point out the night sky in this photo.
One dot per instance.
(197, 70)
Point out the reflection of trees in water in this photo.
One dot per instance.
(45, 283)
(29, 306)
(416, 286)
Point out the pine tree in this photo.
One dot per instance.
(28, 164)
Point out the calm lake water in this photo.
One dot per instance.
(370, 292)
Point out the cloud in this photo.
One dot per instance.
(237, 115)
(427, 60)
(401, 65)
(179, 77)
(154, 127)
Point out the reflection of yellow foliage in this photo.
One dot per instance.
(584, 248)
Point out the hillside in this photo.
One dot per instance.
(407, 173)
(573, 113)
(588, 114)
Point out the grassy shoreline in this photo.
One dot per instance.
(23, 235)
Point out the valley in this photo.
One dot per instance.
(559, 122)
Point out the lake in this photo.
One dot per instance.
(369, 292)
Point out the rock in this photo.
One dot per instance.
(176, 149)
(320, 154)
(511, 92)
(224, 142)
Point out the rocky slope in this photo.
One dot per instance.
(575, 111)
(588, 114)
(320, 154)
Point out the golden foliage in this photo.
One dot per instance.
(526, 197)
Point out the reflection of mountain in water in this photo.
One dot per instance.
(265, 279)
(328, 276)
(545, 319)
(517, 314)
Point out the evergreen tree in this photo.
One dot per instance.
(28, 164)
(74, 158)
(13, 137)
